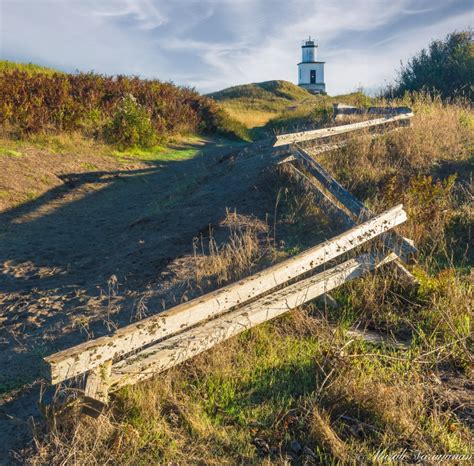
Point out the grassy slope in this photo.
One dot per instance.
(292, 390)
(279, 106)
(255, 104)
(7, 66)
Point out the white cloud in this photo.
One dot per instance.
(143, 12)
(213, 44)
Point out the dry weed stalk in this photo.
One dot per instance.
(239, 255)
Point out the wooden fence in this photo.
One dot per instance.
(291, 138)
(152, 345)
(341, 110)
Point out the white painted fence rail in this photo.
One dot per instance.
(184, 346)
(86, 356)
(284, 139)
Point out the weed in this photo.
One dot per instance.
(10, 153)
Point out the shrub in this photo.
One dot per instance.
(35, 102)
(130, 126)
(447, 68)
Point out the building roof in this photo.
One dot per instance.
(301, 62)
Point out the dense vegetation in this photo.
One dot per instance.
(445, 68)
(115, 108)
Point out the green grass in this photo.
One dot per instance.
(8, 66)
(9, 152)
(157, 154)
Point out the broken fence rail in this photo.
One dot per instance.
(400, 245)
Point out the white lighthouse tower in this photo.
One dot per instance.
(311, 71)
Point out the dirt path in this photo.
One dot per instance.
(75, 260)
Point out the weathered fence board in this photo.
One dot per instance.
(400, 245)
(332, 209)
(341, 110)
(292, 138)
(86, 356)
(184, 346)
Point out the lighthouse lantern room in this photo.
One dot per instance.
(310, 70)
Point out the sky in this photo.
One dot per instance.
(214, 44)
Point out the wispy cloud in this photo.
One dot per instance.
(217, 43)
(143, 13)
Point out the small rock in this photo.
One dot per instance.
(296, 447)
(262, 446)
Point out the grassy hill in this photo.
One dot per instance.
(279, 105)
(256, 104)
(31, 68)
(275, 91)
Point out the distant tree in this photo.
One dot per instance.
(446, 68)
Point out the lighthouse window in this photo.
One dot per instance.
(312, 77)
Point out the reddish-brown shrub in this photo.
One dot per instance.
(30, 103)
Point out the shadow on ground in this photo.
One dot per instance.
(75, 260)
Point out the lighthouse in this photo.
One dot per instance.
(310, 70)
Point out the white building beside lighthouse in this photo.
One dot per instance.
(311, 71)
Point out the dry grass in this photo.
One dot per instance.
(295, 390)
(324, 435)
(250, 118)
(239, 255)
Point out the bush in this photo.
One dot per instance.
(447, 68)
(35, 102)
(130, 126)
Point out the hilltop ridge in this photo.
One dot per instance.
(268, 90)
(31, 68)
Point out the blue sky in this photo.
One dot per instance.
(213, 44)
